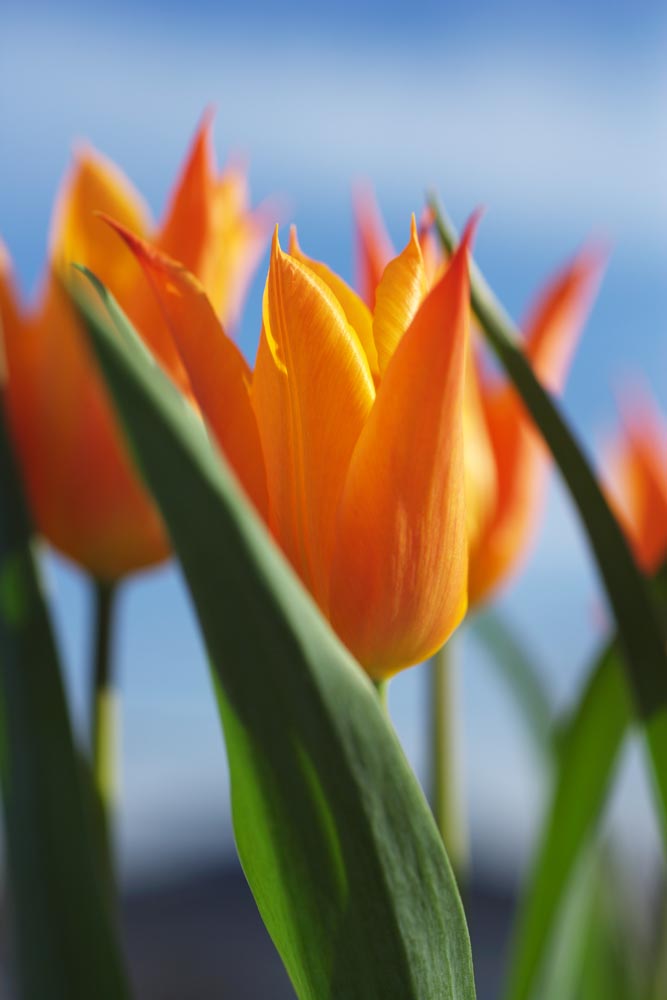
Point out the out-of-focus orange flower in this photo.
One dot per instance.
(349, 438)
(83, 490)
(505, 459)
(638, 479)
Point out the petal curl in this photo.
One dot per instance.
(218, 373)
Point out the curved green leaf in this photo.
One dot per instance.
(588, 751)
(67, 947)
(640, 631)
(333, 831)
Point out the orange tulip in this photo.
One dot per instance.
(83, 490)
(504, 457)
(638, 480)
(348, 438)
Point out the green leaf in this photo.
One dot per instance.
(588, 751)
(641, 632)
(333, 831)
(67, 942)
(516, 667)
(589, 959)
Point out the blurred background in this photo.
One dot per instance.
(552, 116)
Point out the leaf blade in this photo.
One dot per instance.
(67, 945)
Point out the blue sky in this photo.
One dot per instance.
(551, 115)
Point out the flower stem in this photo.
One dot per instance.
(446, 793)
(104, 708)
(382, 688)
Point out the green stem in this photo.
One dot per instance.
(104, 708)
(446, 767)
(382, 688)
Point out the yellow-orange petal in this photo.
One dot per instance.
(94, 184)
(218, 373)
(83, 490)
(480, 462)
(398, 297)
(187, 229)
(312, 392)
(638, 470)
(555, 321)
(373, 246)
(358, 314)
(399, 572)
(93, 187)
(552, 332)
(210, 228)
(434, 258)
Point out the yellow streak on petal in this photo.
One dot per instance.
(358, 314)
(312, 392)
(398, 297)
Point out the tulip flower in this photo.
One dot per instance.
(348, 438)
(83, 490)
(505, 459)
(638, 479)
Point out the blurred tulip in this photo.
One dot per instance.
(504, 457)
(83, 490)
(348, 439)
(638, 479)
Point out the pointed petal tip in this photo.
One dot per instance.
(471, 226)
(136, 244)
(202, 141)
(276, 249)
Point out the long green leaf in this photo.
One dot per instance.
(335, 836)
(588, 751)
(67, 947)
(640, 632)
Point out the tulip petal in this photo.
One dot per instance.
(187, 229)
(373, 246)
(94, 184)
(553, 330)
(400, 562)
(398, 297)
(210, 228)
(481, 487)
(358, 314)
(555, 322)
(312, 392)
(83, 489)
(96, 187)
(218, 373)
(639, 466)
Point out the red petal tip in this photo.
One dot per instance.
(470, 231)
